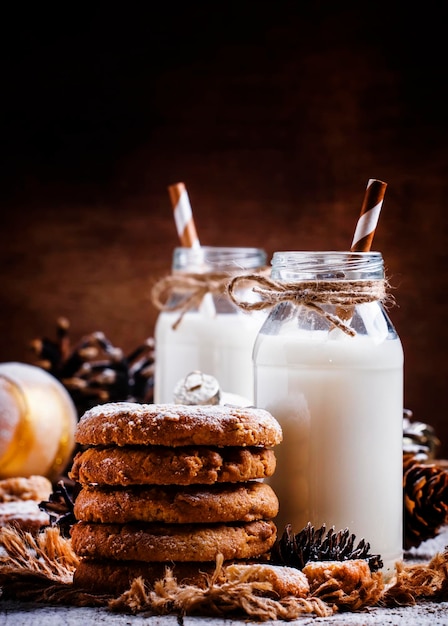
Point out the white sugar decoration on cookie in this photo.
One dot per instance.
(23, 514)
(127, 423)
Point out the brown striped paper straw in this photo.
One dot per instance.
(183, 216)
(368, 218)
(365, 227)
(186, 230)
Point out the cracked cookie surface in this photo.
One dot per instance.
(176, 542)
(161, 465)
(173, 505)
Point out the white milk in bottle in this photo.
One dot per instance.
(199, 328)
(337, 392)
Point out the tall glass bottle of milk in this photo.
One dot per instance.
(200, 328)
(329, 367)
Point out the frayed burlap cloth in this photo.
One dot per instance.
(41, 568)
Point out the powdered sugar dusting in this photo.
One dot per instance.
(175, 424)
(21, 510)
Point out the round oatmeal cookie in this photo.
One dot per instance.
(24, 515)
(285, 581)
(129, 423)
(115, 577)
(25, 488)
(174, 505)
(177, 542)
(160, 465)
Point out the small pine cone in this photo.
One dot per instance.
(310, 544)
(60, 505)
(425, 500)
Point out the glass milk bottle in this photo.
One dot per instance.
(211, 334)
(337, 391)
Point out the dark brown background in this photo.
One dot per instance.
(274, 114)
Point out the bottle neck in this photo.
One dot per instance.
(210, 259)
(327, 266)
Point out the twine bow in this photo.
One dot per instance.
(191, 289)
(312, 294)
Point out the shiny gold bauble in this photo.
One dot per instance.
(37, 422)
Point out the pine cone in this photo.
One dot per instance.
(296, 550)
(418, 437)
(425, 500)
(60, 505)
(95, 371)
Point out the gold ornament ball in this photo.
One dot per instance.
(37, 422)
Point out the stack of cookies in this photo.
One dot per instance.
(171, 485)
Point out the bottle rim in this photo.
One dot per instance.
(328, 264)
(219, 258)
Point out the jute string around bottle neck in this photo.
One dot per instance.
(313, 294)
(191, 287)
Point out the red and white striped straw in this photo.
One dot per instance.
(368, 218)
(183, 216)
